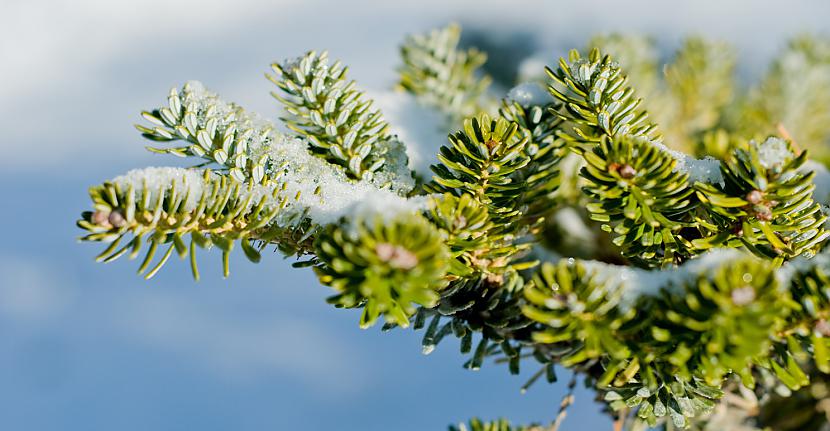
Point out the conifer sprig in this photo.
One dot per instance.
(383, 266)
(597, 100)
(166, 207)
(442, 75)
(765, 205)
(720, 281)
(215, 131)
(326, 108)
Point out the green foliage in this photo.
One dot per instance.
(660, 314)
(721, 322)
(638, 195)
(442, 75)
(571, 307)
(637, 55)
(481, 160)
(700, 82)
(476, 424)
(677, 401)
(383, 266)
(596, 99)
(795, 95)
(216, 210)
(765, 205)
(541, 177)
(325, 107)
(218, 132)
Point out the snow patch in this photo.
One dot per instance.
(821, 194)
(423, 130)
(530, 94)
(635, 282)
(706, 170)
(774, 153)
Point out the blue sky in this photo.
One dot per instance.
(94, 347)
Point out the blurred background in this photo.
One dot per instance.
(94, 347)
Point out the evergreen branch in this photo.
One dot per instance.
(383, 266)
(214, 130)
(339, 122)
(481, 161)
(440, 74)
(541, 179)
(637, 55)
(795, 95)
(700, 81)
(162, 206)
(765, 205)
(638, 195)
(597, 100)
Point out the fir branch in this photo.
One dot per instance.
(383, 266)
(481, 161)
(162, 206)
(597, 100)
(338, 120)
(765, 205)
(639, 196)
(541, 177)
(441, 75)
(214, 130)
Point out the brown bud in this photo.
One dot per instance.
(396, 256)
(117, 219)
(627, 172)
(754, 197)
(823, 328)
(762, 213)
(100, 218)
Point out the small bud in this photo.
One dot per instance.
(100, 218)
(396, 256)
(627, 172)
(754, 197)
(823, 328)
(117, 219)
(763, 213)
(492, 144)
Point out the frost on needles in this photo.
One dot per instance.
(675, 268)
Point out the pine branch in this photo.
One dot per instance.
(214, 130)
(597, 100)
(441, 75)
(162, 206)
(383, 266)
(338, 120)
(765, 205)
